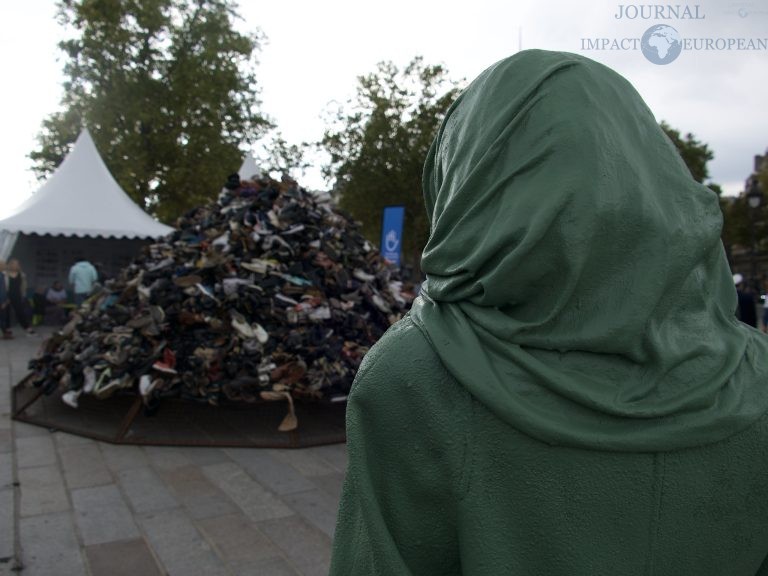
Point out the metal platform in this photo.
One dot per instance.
(121, 419)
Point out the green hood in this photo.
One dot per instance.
(576, 281)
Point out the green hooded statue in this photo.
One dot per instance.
(571, 394)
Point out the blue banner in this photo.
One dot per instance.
(392, 233)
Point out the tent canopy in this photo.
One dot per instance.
(249, 168)
(82, 199)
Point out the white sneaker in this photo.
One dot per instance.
(90, 379)
(70, 398)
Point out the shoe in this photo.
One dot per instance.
(89, 375)
(290, 422)
(206, 292)
(145, 292)
(187, 281)
(147, 384)
(168, 363)
(112, 386)
(70, 398)
(363, 276)
(261, 335)
(240, 324)
(102, 380)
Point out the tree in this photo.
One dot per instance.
(695, 154)
(378, 142)
(167, 89)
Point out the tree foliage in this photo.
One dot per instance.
(167, 89)
(695, 154)
(743, 224)
(378, 142)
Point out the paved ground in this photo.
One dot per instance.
(71, 506)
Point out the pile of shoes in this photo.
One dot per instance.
(269, 293)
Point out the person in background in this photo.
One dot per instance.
(7, 334)
(746, 312)
(101, 275)
(82, 277)
(39, 304)
(56, 297)
(16, 287)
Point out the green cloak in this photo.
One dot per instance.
(571, 395)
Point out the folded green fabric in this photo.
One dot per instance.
(576, 281)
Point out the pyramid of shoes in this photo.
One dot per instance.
(269, 293)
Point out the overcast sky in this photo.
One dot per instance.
(315, 51)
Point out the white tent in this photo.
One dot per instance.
(82, 199)
(249, 169)
(79, 203)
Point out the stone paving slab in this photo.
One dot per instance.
(6, 525)
(42, 491)
(306, 547)
(84, 466)
(35, 451)
(306, 462)
(24, 430)
(6, 442)
(277, 476)
(315, 508)
(89, 508)
(199, 495)
(120, 457)
(6, 470)
(331, 484)
(49, 546)
(64, 439)
(256, 502)
(204, 456)
(145, 491)
(237, 541)
(167, 458)
(334, 454)
(122, 558)
(179, 545)
(102, 515)
(269, 567)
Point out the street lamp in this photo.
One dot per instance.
(754, 196)
(754, 199)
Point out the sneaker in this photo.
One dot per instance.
(70, 398)
(146, 385)
(206, 292)
(261, 335)
(168, 363)
(112, 386)
(89, 375)
(240, 324)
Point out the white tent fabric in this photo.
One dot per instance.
(83, 199)
(249, 169)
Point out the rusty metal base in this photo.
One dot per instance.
(121, 419)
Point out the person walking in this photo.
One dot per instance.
(571, 394)
(4, 303)
(16, 287)
(82, 277)
(746, 310)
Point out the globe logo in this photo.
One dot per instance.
(661, 44)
